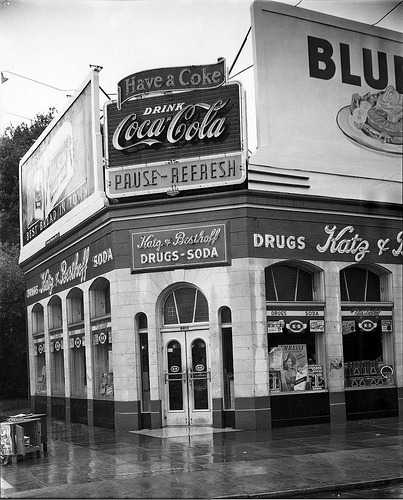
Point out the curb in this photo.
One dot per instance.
(319, 489)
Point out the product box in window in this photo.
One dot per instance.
(275, 381)
(315, 374)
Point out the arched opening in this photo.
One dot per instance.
(100, 298)
(367, 325)
(295, 327)
(186, 357)
(75, 306)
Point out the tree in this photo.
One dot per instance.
(13, 145)
(13, 352)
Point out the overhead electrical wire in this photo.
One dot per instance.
(239, 72)
(239, 51)
(391, 10)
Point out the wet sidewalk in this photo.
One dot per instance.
(85, 462)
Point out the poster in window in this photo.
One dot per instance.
(110, 361)
(294, 370)
(348, 327)
(275, 359)
(317, 325)
(275, 326)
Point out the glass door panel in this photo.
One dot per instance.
(187, 379)
(199, 375)
(175, 375)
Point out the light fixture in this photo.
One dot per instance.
(4, 79)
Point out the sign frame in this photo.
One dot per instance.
(180, 258)
(227, 167)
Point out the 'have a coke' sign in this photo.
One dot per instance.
(181, 140)
(169, 79)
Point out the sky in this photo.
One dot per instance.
(54, 42)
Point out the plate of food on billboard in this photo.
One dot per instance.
(375, 120)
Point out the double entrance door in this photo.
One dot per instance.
(187, 378)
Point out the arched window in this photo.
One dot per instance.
(359, 285)
(55, 313)
(185, 305)
(75, 306)
(37, 319)
(142, 329)
(286, 283)
(100, 298)
(228, 357)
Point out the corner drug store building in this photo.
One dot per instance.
(148, 310)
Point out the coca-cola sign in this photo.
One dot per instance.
(183, 140)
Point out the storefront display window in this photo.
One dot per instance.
(295, 328)
(100, 306)
(103, 366)
(228, 358)
(57, 365)
(40, 366)
(78, 372)
(367, 328)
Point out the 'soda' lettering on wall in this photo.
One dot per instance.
(67, 272)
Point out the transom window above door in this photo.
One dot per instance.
(185, 305)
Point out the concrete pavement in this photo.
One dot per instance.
(85, 462)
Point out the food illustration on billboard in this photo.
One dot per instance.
(58, 174)
(182, 140)
(375, 120)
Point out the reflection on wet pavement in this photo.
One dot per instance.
(88, 462)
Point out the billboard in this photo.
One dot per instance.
(176, 141)
(58, 173)
(329, 99)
